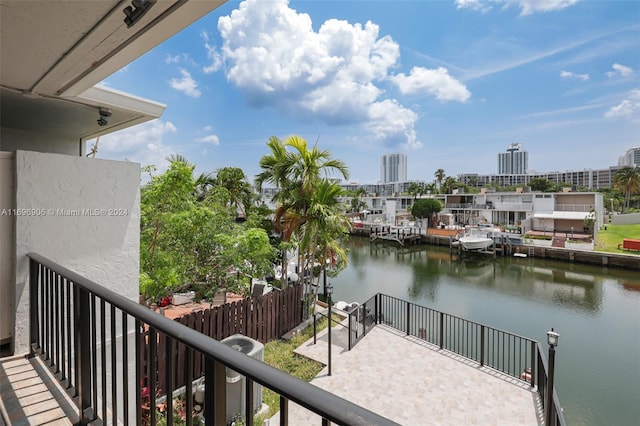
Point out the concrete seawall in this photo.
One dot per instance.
(615, 260)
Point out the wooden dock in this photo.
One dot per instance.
(397, 235)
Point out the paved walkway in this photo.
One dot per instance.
(414, 383)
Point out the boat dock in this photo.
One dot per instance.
(398, 234)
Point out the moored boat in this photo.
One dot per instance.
(475, 239)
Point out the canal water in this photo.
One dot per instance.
(595, 309)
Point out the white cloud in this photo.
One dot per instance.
(628, 108)
(473, 5)
(186, 84)
(213, 54)
(208, 128)
(335, 74)
(527, 7)
(393, 123)
(619, 70)
(172, 59)
(436, 82)
(572, 75)
(143, 143)
(212, 139)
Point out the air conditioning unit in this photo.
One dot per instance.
(236, 382)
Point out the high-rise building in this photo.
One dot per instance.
(393, 168)
(630, 158)
(513, 162)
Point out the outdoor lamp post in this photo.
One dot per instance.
(552, 339)
(329, 293)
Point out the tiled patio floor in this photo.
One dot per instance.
(414, 383)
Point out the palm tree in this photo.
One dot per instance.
(414, 189)
(296, 173)
(627, 180)
(449, 185)
(439, 175)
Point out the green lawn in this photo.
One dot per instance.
(608, 240)
(279, 354)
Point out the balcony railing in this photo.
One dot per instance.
(516, 356)
(574, 207)
(92, 339)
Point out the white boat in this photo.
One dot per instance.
(475, 239)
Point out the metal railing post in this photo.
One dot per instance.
(408, 318)
(350, 331)
(482, 345)
(83, 357)
(441, 330)
(533, 363)
(377, 308)
(34, 276)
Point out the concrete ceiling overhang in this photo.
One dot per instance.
(53, 53)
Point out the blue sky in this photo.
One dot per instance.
(450, 83)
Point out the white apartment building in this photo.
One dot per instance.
(514, 161)
(393, 168)
(630, 158)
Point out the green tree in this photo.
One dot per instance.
(235, 182)
(425, 208)
(296, 171)
(449, 185)
(539, 184)
(191, 244)
(430, 188)
(414, 189)
(439, 175)
(627, 181)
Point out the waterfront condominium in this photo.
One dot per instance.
(393, 168)
(513, 162)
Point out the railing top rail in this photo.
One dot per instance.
(460, 318)
(311, 397)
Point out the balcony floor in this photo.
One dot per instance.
(415, 383)
(30, 395)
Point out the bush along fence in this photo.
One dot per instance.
(262, 318)
(514, 355)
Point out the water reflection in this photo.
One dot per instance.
(507, 275)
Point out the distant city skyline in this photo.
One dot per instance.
(448, 83)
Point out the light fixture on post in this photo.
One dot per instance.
(552, 340)
(329, 289)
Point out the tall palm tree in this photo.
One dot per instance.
(325, 225)
(439, 175)
(627, 180)
(295, 173)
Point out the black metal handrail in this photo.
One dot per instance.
(73, 321)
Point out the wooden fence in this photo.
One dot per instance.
(262, 318)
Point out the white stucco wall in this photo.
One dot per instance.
(104, 247)
(626, 219)
(15, 139)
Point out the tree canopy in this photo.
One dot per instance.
(627, 181)
(189, 238)
(425, 208)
